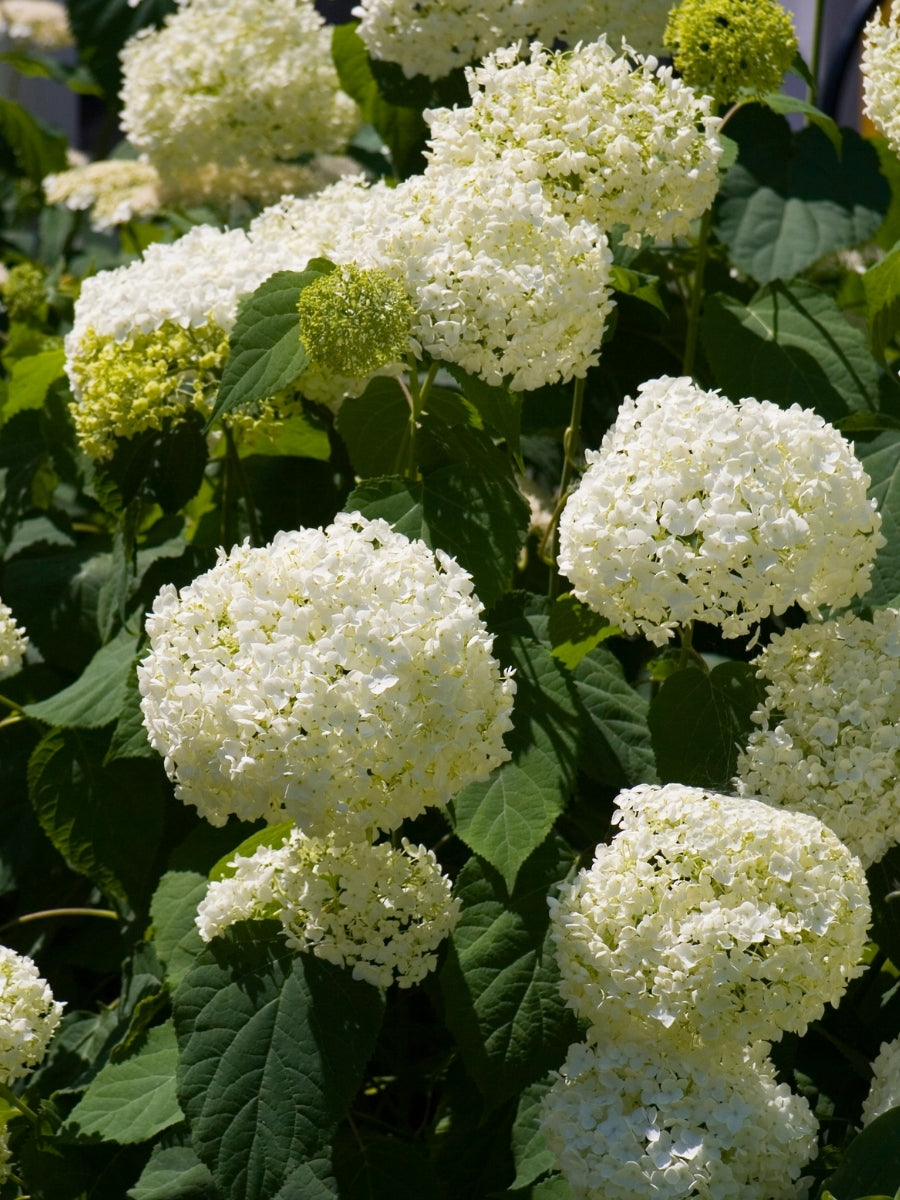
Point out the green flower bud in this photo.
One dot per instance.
(723, 46)
(25, 293)
(353, 321)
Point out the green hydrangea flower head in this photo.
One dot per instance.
(355, 321)
(25, 293)
(721, 47)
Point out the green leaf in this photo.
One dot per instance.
(616, 745)
(872, 1162)
(780, 102)
(507, 816)
(499, 408)
(375, 428)
(699, 722)
(576, 629)
(131, 1101)
(37, 150)
(789, 199)
(790, 346)
(881, 459)
(29, 381)
(384, 1167)
(500, 981)
(273, 1046)
(98, 696)
(106, 821)
(294, 437)
(129, 739)
(173, 911)
(641, 286)
(174, 1173)
(266, 354)
(881, 285)
(530, 1151)
(45, 66)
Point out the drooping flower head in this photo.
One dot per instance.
(723, 46)
(354, 321)
(612, 138)
(632, 1116)
(829, 741)
(28, 1015)
(695, 508)
(880, 69)
(13, 643)
(380, 910)
(884, 1092)
(339, 678)
(714, 916)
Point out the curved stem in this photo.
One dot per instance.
(106, 913)
(417, 397)
(7, 1094)
(693, 328)
(570, 466)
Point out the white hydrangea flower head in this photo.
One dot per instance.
(884, 1093)
(695, 508)
(28, 1015)
(502, 285)
(829, 740)
(339, 678)
(633, 1116)
(116, 190)
(244, 84)
(712, 916)
(43, 24)
(880, 68)
(380, 910)
(612, 138)
(432, 37)
(265, 183)
(13, 643)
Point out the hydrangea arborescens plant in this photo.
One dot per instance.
(830, 728)
(13, 643)
(340, 678)
(695, 508)
(115, 190)
(379, 910)
(29, 1015)
(711, 915)
(884, 1092)
(880, 69)
(635, 1116)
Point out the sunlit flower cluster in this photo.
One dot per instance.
(829, 741)
(354, 321)
(697, 508)
(28, 1015)
(427, 37)
(884, 1093)
(115, 190)
(611, 139)
(339, 678)
(380, 910)
(880, 68)
(13, 643)
(246, 84)
(42, 24)
(633, 1116)
(713, 916)
(722, 46)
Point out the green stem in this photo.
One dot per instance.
(571, 440)
(17, 1102)
(816, 51)
(687, 644)
(235, 473)
(417, 398)
(106, 913)
(693, 329)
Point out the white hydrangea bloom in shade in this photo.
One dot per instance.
(884, 1093)
(115, 190)
(830, 738)
(28, 1015)
(695, 508)
(243, 84)
(380, 910)
(713, 916)
(432, 37)
(634, 1117)
(880, 68)
(13, 643)
(44, 24)
(611, 138)
(340, 678)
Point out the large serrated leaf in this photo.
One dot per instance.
(789, 199)
(29, 381)
(881, 285)
(616, 748)
(173, 911)
(375, 427)
(500, 981)
(871, 1166)
(881, 459)
(131, 1101)
(98, 696)
(791, 346)
(174, 1173)
(38, 150)
(273, 1047)
(533, 1158)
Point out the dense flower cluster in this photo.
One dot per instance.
(633, 1116)
(722, 46)
(381, 911)
(355, 321)
(612, 139)
(830, 737)
(115, 190)
(24, 292)
(43, 24)
(880, 68)
(884, 1093)
(712, 916)
(28, 1015)
(246, 84)
(338, 678)
(427, 37)
(13, 643)
(697, 508)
